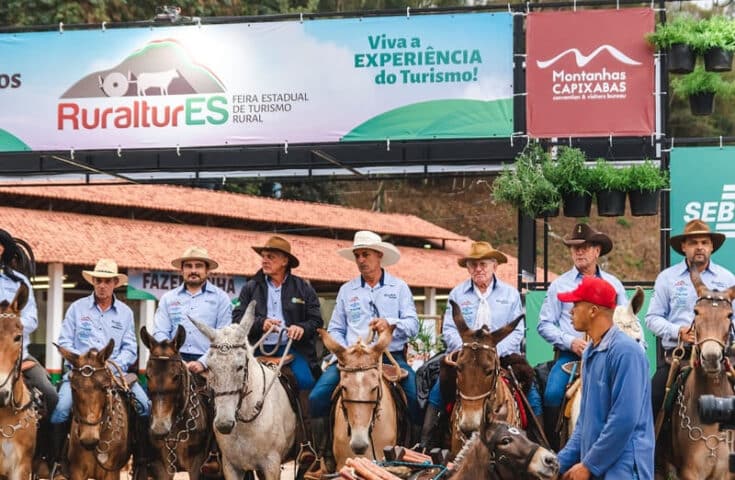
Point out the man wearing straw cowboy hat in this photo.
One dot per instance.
(671, 310)
(287, 301)
(200, 299)
(484, 300)
(91, 322)
(586, 246)
(373, 301)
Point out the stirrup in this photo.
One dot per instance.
(316, 470)
(212, 466)
(306, 454)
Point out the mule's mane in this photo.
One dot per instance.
(466, 448)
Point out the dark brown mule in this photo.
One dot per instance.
(99, 444)
(479, 381)
(697, 450)
(180, 421)
(500, 451)
(18, 416)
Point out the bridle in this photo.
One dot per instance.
(242, 391)
(167, 392)
(499, 461)
(476, 349)
(375, 403)
(717, 301)
(16, 374)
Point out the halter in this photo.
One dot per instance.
(476, 348)
(717, 301)
(375, 403)
(242, 391)
(498, 461)
(16, 374)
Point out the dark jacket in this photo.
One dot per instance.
(300, 307)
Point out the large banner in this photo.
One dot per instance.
(703, 187)
(590, 73)
(151, 285)
(418, 77)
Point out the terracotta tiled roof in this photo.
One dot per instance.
(79, 239)
(168, 198)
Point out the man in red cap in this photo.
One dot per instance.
(614, 434)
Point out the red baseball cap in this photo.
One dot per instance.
(593, 290)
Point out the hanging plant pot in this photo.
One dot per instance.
(702, 103)
(548, 213)
(611, 203)
(576, 205)
(717, 60)
(644, 202)
(681, 58)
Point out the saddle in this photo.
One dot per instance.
(275, 361)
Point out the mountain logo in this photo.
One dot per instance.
(160, 68)
(582, 60)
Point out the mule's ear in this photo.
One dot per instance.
(383, 340)
(248, 318)
(329, 342)
(499, 334)
(21, 298)
(145, 337)
(699, 285)
(636, 301)
(68, 355)
(107, 351)
(731, 293)
(180, 337)
(206, 330)
(458, 318)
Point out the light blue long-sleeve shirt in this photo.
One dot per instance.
(85, 326)
(555, 319)
(210, 305)
(29, 314)
(505, 306)
(392, 300)
(672, 304)
(614, 433)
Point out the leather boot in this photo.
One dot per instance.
(60, 469)
(212, 466)
(44, 449)
(551, 419)
(430, 431)
(321, 440)
(141, 447)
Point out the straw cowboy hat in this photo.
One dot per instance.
(105, 268)
(280, 244)
(583, 233)
(696, 227)
(372, 241)
(481, 251)
(195, 253)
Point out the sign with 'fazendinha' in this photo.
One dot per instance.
(421, 77)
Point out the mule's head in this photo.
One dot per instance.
(168, 380)
(478, 369)
(11, 343)
(91, 387)
(360, 385)
(625, 317)
(511, 452)
(712, 324)
(229, 359)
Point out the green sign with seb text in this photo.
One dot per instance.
(703, 187)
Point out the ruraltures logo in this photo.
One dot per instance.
(721, 213)
(579, 81)
(160, 69)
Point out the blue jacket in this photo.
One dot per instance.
(614, 433)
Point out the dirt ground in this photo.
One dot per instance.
(287, 473)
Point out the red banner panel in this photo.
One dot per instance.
(590, 73)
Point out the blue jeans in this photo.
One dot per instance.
(534, 398)
(299, 367)
(320, 399)
(62, 412)
(556, 383)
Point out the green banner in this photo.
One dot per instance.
(703, 187)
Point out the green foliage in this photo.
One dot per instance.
(605, 176)
(647, 177)
(681, 30)
(701, 81)
(524, 185)
(715, 32)
(569, 173)
(425, 340)
(623, 222)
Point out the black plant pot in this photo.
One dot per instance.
(611, 203)
(717, 60)
(548, 213)
(681, 58)
(644, 202)
(702, 103)
(576, 205)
